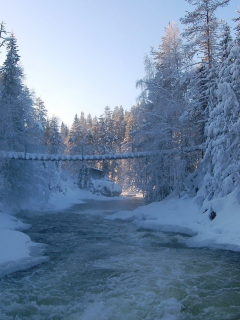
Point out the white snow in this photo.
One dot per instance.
(17, 251)
(185, 216)
(105, 187)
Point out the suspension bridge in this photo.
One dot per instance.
(14, 155)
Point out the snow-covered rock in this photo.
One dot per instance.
(105, 187)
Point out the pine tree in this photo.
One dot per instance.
(202, 28)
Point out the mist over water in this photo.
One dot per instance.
(103, 269)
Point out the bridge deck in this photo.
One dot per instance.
(61, 157)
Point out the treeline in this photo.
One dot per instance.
(190, 97)
(23, 123)
(26, 127)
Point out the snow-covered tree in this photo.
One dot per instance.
(162, 104)
(64, 133)
(76, 137)
(40, 112)
(237, 28)
(21, 180)
(12, 112)
(221, 161)
(225, 42)
(55, 139)
(202, 28)
(203, 33)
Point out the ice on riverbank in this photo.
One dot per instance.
(17, 251)
(185, 216)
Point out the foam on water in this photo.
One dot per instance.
(101, 269)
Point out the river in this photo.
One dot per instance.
(100, 269)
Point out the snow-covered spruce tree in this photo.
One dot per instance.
(12, 126)
(130, 177)
(104, 139)
(40, 124)
(118, 132)
(65, 134)
(11, 123)
(119, 127)
(21, 180)
(55, 139)
(223, 129)
(53, 169)
(225, 42)
(75, 137)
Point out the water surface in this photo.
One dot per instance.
(103, 269)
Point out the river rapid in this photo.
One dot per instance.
(100, 269)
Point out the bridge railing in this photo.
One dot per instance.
(38, 155)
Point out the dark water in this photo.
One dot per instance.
(103, 269)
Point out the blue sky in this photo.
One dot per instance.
(81, 55)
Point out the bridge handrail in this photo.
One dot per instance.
(79, 157)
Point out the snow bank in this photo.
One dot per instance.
(185, 216)
(105, 187)
(61, 201)
(17, 251)
(72, 194)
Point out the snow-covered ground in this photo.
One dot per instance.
(186, 216)
(17, 251)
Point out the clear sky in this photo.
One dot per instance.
(82, 55)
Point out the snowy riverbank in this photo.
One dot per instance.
(185, 216)
(17, 251)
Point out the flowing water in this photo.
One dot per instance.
(102, 269)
